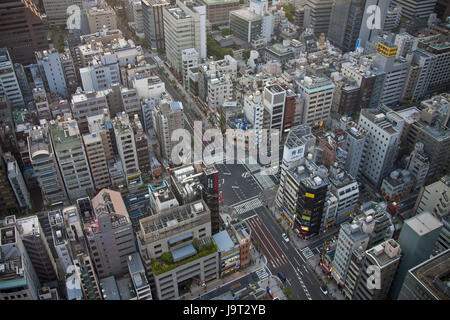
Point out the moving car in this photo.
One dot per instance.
(285, 237)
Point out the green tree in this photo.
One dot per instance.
(246, 55)
(215, 50)
(167, 257)
(289, 9)
(226, 32)
(195, 243)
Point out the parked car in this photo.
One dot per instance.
(282, 276)
(285, 237)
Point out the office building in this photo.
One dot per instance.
(416, 9)
(190, 59)
(345, 188)
(348, 16)
(176, 245)
(87, 104)
(352, 236)
(167, 117)
(51, 70)
(184, 28)
(9, 86)
(126, 147)
(95, 153)
(70, 153)
(417, 239)
(147, 86)
(56, 10)
(16, 181)
(317, 15)
(434, 198)
(18, 279)
(37, 247)
(142, 145)
(111, 239)
(100, 73)
(383, 133)
(98, 18)
(386, 258)
(274, 98)
(243, 234)
(315, 89)
(84, 280)
(245, 25)
(7, 197)
(152, 22)
(24, 18)
(418, 165)
(228, 249)
(370, 25)
(137, 272)
(45, 166)
(428, 280)
(355, 145)
(60, 242)
(218, 11)
(443, 242)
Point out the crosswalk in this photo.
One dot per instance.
(262, 274)
(307, 253)
(248, 205)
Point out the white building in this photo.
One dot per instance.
(50, 65)
(100, 73)
(274, 99)
(9, 86)
(127, 150)
(189, 59)
(16, 181)
(86, 104)
(383, 133)
(184, 28)
(148, 87)
(254, 112)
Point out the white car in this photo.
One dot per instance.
(285, 237)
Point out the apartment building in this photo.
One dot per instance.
(71, 157)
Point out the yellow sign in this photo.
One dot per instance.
(309, 195)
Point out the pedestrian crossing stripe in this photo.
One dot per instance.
(248, 205)
(262, 274)
(307, 253)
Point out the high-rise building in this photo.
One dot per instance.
(180, 236)
(83, 276)
(428, 280)
(25, 19)
(383, 132)
(416, 9)
(152, 22)
(17, 267)
(167, 117)
(417, 239)
(111, 239)
(56, 10)
(45, 166)
(126, 147)
(317, 15)
(16, 181)
(418, 165)
(98, 18)
(9, 86)
(385, 257)
(38, 250)
(51, 69)
(374, 17)
(95, 153)
(352, 236)
(346, 15)
(7, 197)
(245, 25)
(87, 104)
(435, 198)
(71, 156)
(274, 99)
(218, 11)
(355, 145)
(142, 147)
(318, 95)
(184, 28)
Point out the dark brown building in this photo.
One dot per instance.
(22, 30)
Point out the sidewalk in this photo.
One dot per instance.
(334, 293)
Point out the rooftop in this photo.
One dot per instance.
(224, 241)
(423, 223)
(434, 275)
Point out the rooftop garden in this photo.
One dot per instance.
(165, 263)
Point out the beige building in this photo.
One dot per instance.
(218, 11)
(100, 17)
(97, 160)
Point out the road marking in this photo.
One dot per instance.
(247, 205)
